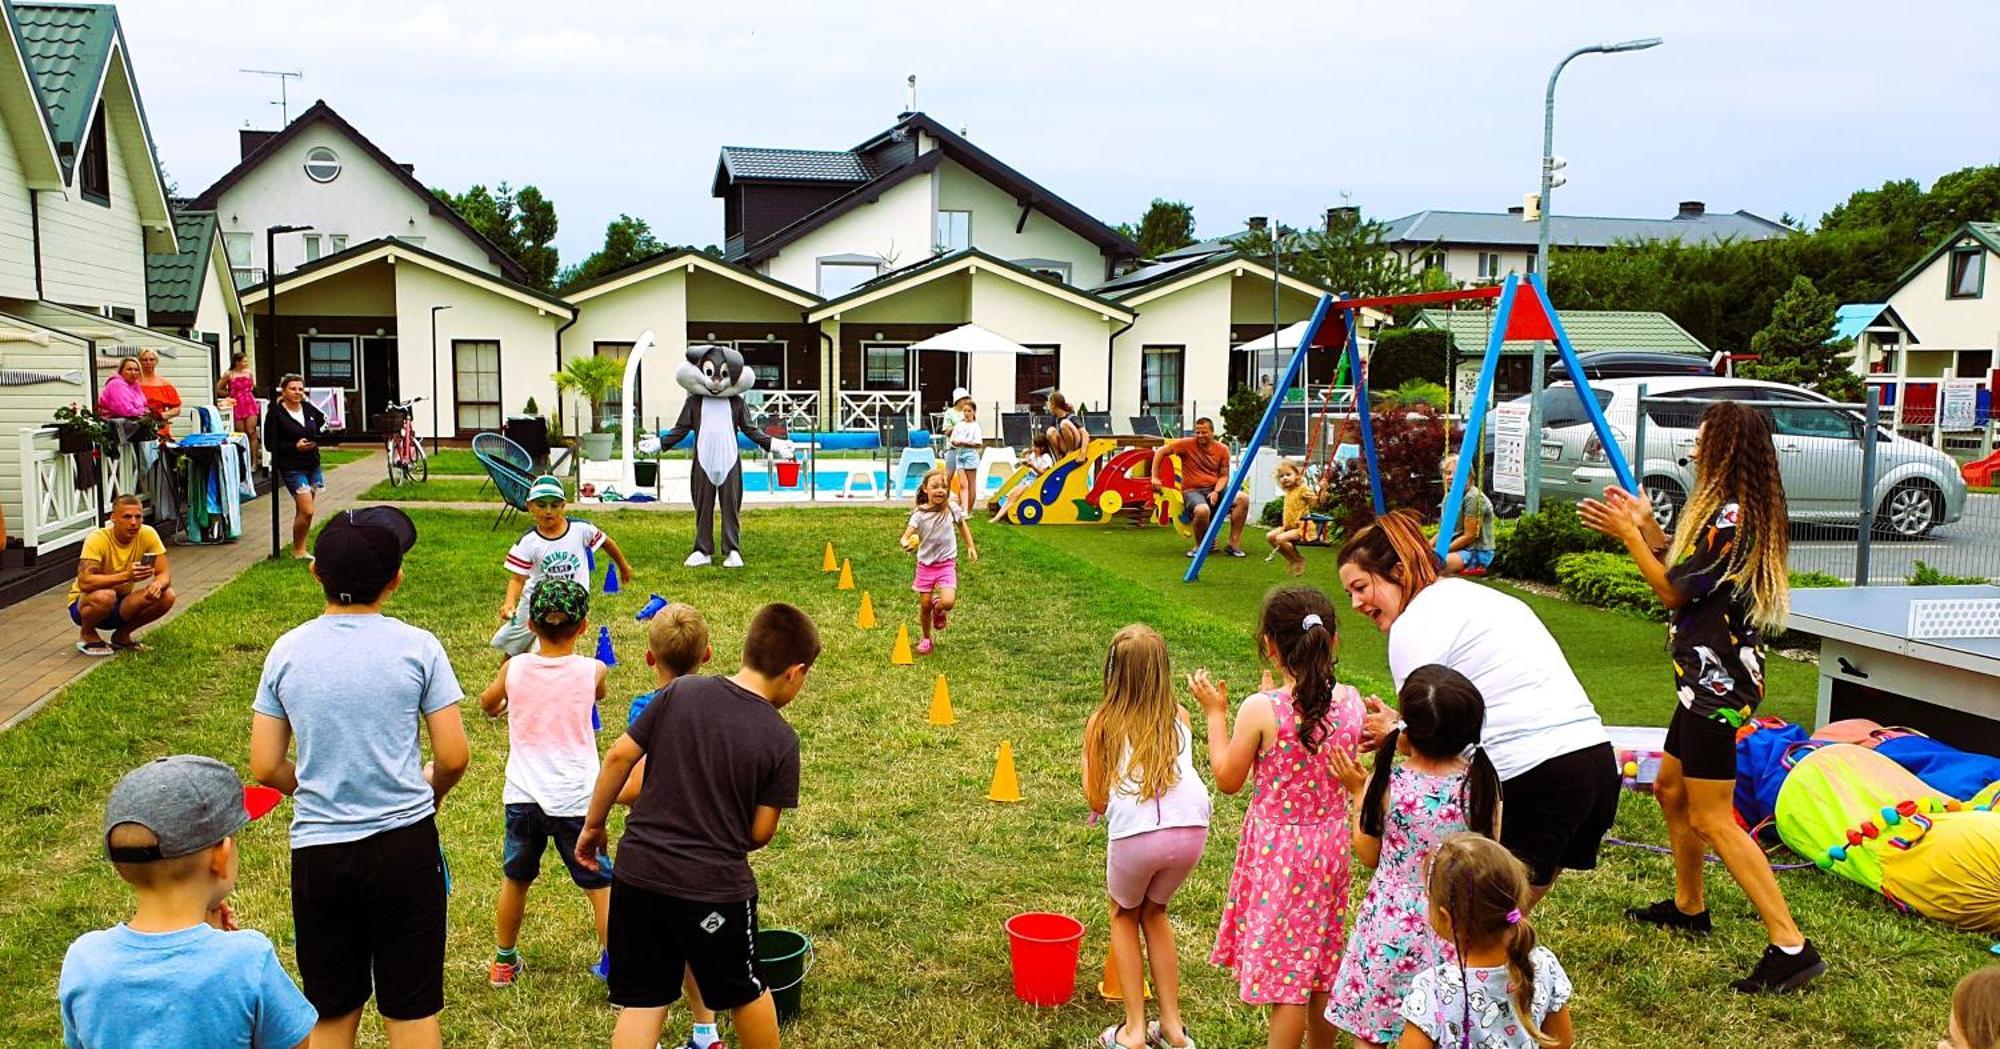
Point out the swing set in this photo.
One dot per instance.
(1523, 314)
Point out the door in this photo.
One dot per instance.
(1819, 458)
(938, 373)
(380, 379)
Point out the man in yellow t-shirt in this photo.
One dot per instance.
(122, 581)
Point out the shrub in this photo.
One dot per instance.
(1274, 513)
(1529, 549)
(1405, 354)
(1922, 574)
(531, 409)
(1816, 581)
(1411, 394)
(1607, 580)
(1409, 446)
(1241, 413)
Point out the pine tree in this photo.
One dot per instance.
(1798, 347)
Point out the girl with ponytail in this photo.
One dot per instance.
(1443, 784)
(1502, 991)
(1283, 925)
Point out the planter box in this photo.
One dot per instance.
(70, 441)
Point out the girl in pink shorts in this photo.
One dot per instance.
(1139, 774)
(932, 535)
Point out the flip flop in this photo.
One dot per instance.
(95, 649)
(1158, 1040)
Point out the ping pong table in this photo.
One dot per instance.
(1925, 657)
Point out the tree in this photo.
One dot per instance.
(521, 223)
(626, 241)
(1797, 347)
(1350, 255)
(1167, 224)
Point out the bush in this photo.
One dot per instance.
(1274, 513)
(1816, 581)
(1607, 580)
(1241, 413)
(1529, 550)
(1405, 354)
(1410, 394)
(1922, 574)
(1409, 446)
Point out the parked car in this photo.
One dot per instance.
(1819, 448)
(1632, 364)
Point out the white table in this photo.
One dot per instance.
(1871, 666)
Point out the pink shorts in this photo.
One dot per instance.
(931, 577)
(1152, 865)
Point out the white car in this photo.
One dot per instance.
(1819, 452)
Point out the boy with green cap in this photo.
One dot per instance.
(556, 548)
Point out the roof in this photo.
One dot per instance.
(1587, 329)
(320, 112)
(66, 47)
(1154, 272)
(945, 265)
(950, 144)
(173, 281)
(646, 267)
(1502, 229)
(792, 165)
(1850, 320)
(362, 254)
(1986, 233)
(1226, 242)
(1189, 272)
(22, 116)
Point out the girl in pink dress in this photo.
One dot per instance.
(1282, 928)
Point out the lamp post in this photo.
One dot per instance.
(1532, 467)
(436, 434)
(271, 344)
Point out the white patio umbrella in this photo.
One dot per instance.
(971, 338)
(1288, 339)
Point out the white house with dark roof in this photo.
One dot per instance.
(1937, 324)
(1485, 246)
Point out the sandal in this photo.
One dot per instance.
(1109, 1039)
(95, 649)
(1157, 1039)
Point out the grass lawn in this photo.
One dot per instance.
(442, 490)
(331, 457)
(896, 865)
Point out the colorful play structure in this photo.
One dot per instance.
(1093, 485)
(1518, 317)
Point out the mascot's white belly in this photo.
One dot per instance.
(715, 442)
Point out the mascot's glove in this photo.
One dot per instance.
(782, 448)
(649, 444)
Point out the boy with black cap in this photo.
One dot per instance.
(178, 973)
(368, 880)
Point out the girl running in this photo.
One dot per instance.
(932, 535)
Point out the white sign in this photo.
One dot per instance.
(1960, 407)
(1510, 448)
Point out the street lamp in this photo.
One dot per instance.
(436, 434)
(271, 344)
(1532, 468)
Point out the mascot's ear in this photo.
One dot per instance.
(745, 378)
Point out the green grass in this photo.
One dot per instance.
(441, 489)
(895, 864)
(332, 457)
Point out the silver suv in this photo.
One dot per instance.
(1819, 452)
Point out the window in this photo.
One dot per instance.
(322, 165)
(1811, 422)
(614, 399)
(122, 313)
(415, 242)
(885, 366)
(1050, 269)
(1968, 273)
(1036, 374)
(1489, 265)
(767, 360)
(475, 383)
(1531, 263)
(94, 174)
(329, 361)
(954, 231)
(237, 247)
(336, 243)
(840, 277)
(312, 246)
(1160, 370)
(1434, 260)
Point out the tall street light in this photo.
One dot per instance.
(271, 344)
(436, 434)
(1532, 468)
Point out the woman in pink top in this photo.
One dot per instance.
(1283, 925)
(122, 398)
(240, 386)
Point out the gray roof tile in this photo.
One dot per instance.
(173, 282)
(1587, 330)
(814, 165)
(1503, 229)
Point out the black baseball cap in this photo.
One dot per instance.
(189, 802)
(360, 551)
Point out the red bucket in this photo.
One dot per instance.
(788, 473)
(1044, 949)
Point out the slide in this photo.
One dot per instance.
(1983, 473)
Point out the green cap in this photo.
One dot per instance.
(558, 602)
(547, 487)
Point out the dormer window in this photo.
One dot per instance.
(322, 164)
(1967, 273)
(93, 175)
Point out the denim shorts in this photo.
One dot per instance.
(528, 832)
(299, 479)
(965, 458)
(1476, 558)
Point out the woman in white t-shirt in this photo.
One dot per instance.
(1559, 777)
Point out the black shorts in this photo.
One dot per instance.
(1706, 747)
(653, 935)
(1556, 814)
(529, 830)
(372, 908)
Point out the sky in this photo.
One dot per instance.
(1239, 108)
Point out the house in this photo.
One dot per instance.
(82, 209)
(1878, 335)
(1485, 246)
(323, 173)
(192, 293)
(1588, 330)
(1945, 326)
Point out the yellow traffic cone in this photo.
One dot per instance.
(846, 575)
(865, 618)
(941, 703)
(901, 655)
(827, 563)
(1110, 990)
(1006, 786)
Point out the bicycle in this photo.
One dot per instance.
(407, 457)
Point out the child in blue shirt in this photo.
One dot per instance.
(178, 973)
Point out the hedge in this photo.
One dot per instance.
(1608, 580)
(1530, 549)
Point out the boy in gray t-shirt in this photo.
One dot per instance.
(1472, 544)
(356, 688)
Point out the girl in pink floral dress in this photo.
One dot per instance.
(1282, 928)
(1443, 784)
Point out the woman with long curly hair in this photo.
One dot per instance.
(1722, 577)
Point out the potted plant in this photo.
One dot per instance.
(591, 378)
(78, 429)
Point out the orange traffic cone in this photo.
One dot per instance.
(846, 575)
(827, 563)
(941, 703)
(865, 618)
(1006, 786)
(900, 655)
(1110, 990)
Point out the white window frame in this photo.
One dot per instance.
(946, 218)
(1056, 268)
(460, 405)
(842, 263)
(1490, 265)
(311, 246)
(336, 243)
(314, 159)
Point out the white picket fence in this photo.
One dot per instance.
(55, 512)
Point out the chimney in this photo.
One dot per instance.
(408, 169)
(1347, 215)
(1257, 223)
(248, 141)
(1692, 209)
(1516, 210)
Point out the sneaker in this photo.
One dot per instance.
(602, 970)
(1778, 972)
(924, 647)
(1235, 551)
(503, 974)
(1665, 913)
(697, 560)
(734, 560)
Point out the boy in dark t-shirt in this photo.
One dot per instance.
(723, 764)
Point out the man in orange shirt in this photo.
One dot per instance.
(1204, 467)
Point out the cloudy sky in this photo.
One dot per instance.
(1239, 107)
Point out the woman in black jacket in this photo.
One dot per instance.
(293, 430)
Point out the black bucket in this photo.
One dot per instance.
(784, 957)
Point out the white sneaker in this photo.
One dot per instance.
(697, 560)
(734, 560)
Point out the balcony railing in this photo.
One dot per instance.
(797, 409)
(57, 512)
(868, 410)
